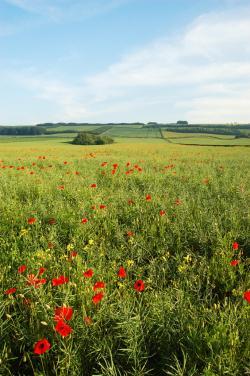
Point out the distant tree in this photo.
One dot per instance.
(84, 138)
(182, 122)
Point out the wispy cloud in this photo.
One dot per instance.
(61, 9)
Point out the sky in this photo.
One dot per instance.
(124, 60)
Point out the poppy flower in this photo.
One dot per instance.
(247, 296)
(60, 187)
(10, 291)
(104, 164)
(63, 313)
(162, 213)
(89, 273)
(115, 165)
(41, 346)
(33, 281)
(41, 270)
(148, 197)
(93, 185)
(235, 246)
(84, 220)
(130, 233)
(60, 280)
(31, 220)
(97, 298)
(102, 206)
(139, 285)
(87, 320)
(62, 328)
(122, 272)
(99, 285)
(113, 172)
(128, 164)
(21, 269)
(234, 262)
(178, 202)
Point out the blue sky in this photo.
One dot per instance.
(124, 60)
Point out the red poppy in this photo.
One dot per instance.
(104, 164)
(131, 202)
(89, 273)
(234, 262)
(247, 296)
(162, 213)
(93, 186)
(102, 206)
(60, 187)
(178, 202)
(10, 291)
(122, 272)
(97, 298)
(128, 164)
(235, 246)
(41, 346)
(99, 285)
(84, 220)
(62, 328)
(88, 320)
(31, 220)
(64, 313)
(139, 285)
(21, 269)
(33, 281)
(130, 233)
(148, 198)
(60, 280)
(41, 270)
(65, 162)
(113, 172)
(115, 165)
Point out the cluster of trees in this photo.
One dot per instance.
(54, 125)
(84, 138)
(21, 131)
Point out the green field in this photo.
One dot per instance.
(174, 217)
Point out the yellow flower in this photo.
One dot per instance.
(130, 262)
(120, 284)
(182, 268)
(70, 247)
(188, 258)
(91, 241)
(24, 232)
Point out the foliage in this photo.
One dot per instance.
(84, 138)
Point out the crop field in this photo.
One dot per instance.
(124, 259)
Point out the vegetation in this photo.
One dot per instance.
(20, 131)
(84, 138)
(124, 259)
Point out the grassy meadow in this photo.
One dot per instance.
(124, 259)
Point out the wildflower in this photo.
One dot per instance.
(115, 165)
(84, 220)
(139, 285)
(178, 202)
(87, 320)
(33, 281)
(97, 298)
(64, 313)
(41, 346)
(122, 272)
(104, 164)
(102, 206)
(60, 280)
(70, 247)
(89, 273)
(31, 220)
(148, 197)
(60, 187)
(234, 262)
(162, 213)
(99, 285)
(93, 186)
(235, 246)
(91, 241)
(130, 233)
(23, 232)
(130, 262)
(41, 270)
(62, 328)
(10, 291)
(247, 296)
(21, 269)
